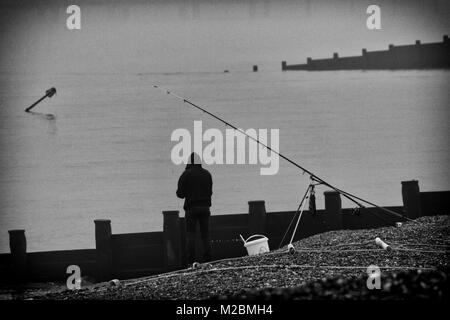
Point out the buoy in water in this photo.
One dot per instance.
(49, 93)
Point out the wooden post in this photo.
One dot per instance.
(255, 68)
(393, 64)
(18, 248)
(333, 209)
(172, 240)
(309, 63)
(335, 64)
(411, 199)
(183, 251)
(257, 217)
(418, 61)
(103, 246)
(365, 62)
(283, 65)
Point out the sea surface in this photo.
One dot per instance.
(106, 152)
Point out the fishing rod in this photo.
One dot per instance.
(313, 176)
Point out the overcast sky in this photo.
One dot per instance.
(180, 36)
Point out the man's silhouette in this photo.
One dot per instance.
(195, 186)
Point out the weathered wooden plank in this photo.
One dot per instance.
(61, 256)
(138, 257)
(227, 233)
(435, 202)
(134, 239)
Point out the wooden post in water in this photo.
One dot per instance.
(417, 60)
(309, 63)
(365, 60)
(257, 217)
(18, 248)
(103, 246)
(393, 63)
(333, 209)
(172, 240)
(411, 199)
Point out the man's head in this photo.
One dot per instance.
(194, 160)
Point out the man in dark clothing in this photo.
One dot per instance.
(195, 186)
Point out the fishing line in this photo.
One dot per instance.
(379, 217)
(273, 266)
(420, 244)
(313, 176)
(208, 267)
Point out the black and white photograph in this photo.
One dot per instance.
(225, 158)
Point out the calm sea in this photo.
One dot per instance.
(107, 152)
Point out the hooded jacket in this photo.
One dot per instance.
(195, 186)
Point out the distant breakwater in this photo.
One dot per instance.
(415, 56)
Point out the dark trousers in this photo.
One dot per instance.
(201, 216)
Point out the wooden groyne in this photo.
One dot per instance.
(415, 56)
(140, 254)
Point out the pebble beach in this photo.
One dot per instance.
(332, 265)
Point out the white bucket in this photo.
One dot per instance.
(257, 246)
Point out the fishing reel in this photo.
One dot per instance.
(357, 211)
